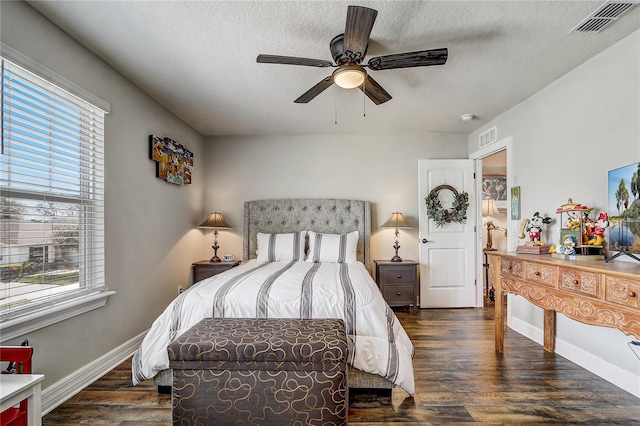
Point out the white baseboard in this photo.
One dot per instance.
(64, 389)
(609, 372)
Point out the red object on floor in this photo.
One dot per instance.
(20, 356)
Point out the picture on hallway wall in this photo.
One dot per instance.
(494, 187)
(174, 163)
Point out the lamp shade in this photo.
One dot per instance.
(214, 220)
(396, 220)
(489, 208)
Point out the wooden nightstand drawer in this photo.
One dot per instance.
(401, 274)
(205, 269)
(399, 295)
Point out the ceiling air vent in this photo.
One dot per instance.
(488, 136)
(605, 15)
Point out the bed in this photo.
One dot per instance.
(324, 275)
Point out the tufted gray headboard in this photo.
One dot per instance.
(329, 216)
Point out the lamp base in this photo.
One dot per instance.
(396, 246)
(215, 248)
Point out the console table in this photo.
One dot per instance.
(596, 293)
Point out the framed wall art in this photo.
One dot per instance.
(174, 163)
(494, 187)
(515, 203)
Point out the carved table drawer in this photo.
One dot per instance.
(581, 282)
(622, 291)
(512, 267)
(541, 274)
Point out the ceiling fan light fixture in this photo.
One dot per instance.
(349, 76)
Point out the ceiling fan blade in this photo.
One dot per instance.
(374, 91)
(357, 31)
(315, 91)
(422, 58)
(292, 60)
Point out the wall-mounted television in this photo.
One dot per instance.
(624, 210)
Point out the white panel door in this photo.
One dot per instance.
(447, 253)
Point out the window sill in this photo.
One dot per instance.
(24, 324)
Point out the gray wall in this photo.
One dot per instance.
(565, 140)
(382, 169)
(150, 235)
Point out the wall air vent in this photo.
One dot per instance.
(488, 136)
(605, 15)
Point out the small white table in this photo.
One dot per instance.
(17, 387)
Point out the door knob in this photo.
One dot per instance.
(424, 240)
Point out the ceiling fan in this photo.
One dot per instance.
(348, 50)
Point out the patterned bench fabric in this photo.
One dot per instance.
(260, 371)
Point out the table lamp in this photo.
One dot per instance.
(489, 208)
(214, 221)
(396, 220)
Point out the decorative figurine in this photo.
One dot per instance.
(580, 237)
(597, 238)
(568, 246)
(533, 227)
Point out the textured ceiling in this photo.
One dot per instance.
(198, 59)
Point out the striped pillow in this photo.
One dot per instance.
(281, 247)
(334, 248)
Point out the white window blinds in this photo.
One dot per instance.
(52, 194)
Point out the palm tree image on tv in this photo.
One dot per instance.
(624, 209)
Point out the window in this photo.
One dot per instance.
(51, 196)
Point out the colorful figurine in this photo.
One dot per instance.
(568, 246)
(534, 228)
(597, 237)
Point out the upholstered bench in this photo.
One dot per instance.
(260, 371)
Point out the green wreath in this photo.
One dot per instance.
(441, 216)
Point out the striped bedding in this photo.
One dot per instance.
(377, 342)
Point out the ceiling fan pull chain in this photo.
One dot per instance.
(364, 98)
(335, 106)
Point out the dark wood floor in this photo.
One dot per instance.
(459, 379)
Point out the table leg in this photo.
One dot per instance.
(500, 304)
(549, 330)
(34, 413)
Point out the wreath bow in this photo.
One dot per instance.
(441, 216)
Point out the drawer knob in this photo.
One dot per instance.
(398, 294)
(632, 294)
(576, 282)
(537, 273)
(398, 276)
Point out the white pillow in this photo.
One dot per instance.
(281, 247)
(334, 248)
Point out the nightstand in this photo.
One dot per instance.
(398, 282)
(205, 269)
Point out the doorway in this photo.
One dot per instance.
(495, 163)
(493, 210)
